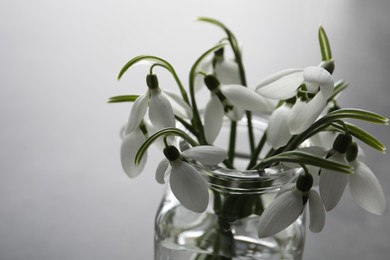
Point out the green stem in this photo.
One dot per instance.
(232, 141)
(256, 152)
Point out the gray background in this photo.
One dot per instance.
(62, 192)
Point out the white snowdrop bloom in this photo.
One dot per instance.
(289, 205)
(230, 100)
(278, 133)
(130, 144)
(285, 85)
(186, 182)
(363, 185)
(319, 82)
(224, 69)
(161, 111)
(332, 183)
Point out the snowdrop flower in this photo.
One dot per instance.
(130, 144)
(311, 97)
(186, 182)
(289, 205)
(225, 99)
(161, 112)
(224, 69)
(363, 185)
(333, 183)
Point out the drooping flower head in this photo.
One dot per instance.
(161, 111)
(186, 182)
(332, 183)
(289, 205)
(310, 88)
(230, 100)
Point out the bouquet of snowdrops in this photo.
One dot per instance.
(307, 129)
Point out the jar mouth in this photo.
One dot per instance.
(246, 181)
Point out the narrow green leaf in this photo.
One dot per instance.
(355, 113)
(162, 133)
(324, 45)
(124, 98)
(362, 135)
(140, 58)
(305, 158)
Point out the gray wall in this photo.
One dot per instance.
(62, 192)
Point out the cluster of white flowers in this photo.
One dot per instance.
(296, 101)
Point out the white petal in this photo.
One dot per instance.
(286, 187)
(321, 77)
(188, 186)
(366, 190)
(138, 112)
(282, 212)
(227, 72)
(206, 154)
(317, 212)
(122, 132)
(244, 97)
(160, 110)
(236, 113)
(324, 139)
(332, 183)
(278, 133)
(129, 148)
(303, 115)
(213, 118)
(161, 171)
(281, 85)
(180, 107)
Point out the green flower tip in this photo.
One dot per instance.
(304, 182)
(342, 143)
(211, 82)
(152, 81)
(171, 153)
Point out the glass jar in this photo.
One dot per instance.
(228, 228)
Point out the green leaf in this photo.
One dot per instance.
(306, 159)
(324, 45)
(355, 113)
(362, 135)
(231, 37)
(140, 58)
(162, 133)
(124, 98)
